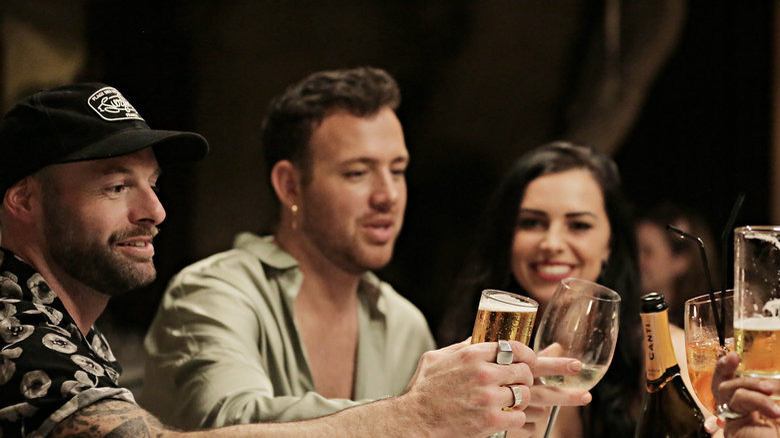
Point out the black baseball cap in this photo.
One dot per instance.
(82, 122)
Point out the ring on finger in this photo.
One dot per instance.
(725, 413)
(518, 396)
(505, 354)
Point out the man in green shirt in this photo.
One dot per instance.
(295, 325)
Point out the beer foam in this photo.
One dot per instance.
(508, 303)
(758, 324)
(758, 235)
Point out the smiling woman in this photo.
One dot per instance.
(560, 213)
(562, 231)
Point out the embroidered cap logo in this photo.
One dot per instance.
(110, 105)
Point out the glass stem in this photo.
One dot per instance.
(551, 423)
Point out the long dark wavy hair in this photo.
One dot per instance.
(489, 266)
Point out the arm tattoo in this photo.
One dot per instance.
(110, 419)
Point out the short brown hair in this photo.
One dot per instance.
(293, 116)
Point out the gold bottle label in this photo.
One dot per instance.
(659, 354)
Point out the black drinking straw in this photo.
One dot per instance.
(711, 289)
(724, 248)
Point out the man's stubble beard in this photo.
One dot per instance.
(347, 255)
(92, 262)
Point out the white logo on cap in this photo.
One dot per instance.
(110, 105)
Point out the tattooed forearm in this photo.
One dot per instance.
(135, 427)
(110, 419)
(119, 419)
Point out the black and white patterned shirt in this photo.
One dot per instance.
(48, 369)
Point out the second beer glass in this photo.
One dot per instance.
(757, 301)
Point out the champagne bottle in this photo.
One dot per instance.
(668, 409)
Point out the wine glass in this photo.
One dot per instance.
(702, 347)
(504, 316)
(582, 319)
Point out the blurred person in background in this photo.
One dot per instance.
(670, 264)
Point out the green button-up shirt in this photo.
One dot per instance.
(224, 347)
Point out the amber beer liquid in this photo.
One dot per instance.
(758, 344)
(504, 316)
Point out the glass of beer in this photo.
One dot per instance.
(757, 301)
(504, 316)
(702, 346)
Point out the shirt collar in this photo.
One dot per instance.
(265, 249)
(271, 254)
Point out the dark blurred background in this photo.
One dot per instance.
(679, 92)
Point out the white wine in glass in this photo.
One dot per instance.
(581, 321)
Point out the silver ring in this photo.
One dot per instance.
(505, 354)
(725, 413)
(518, 397)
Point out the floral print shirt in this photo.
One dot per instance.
(48, 369)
